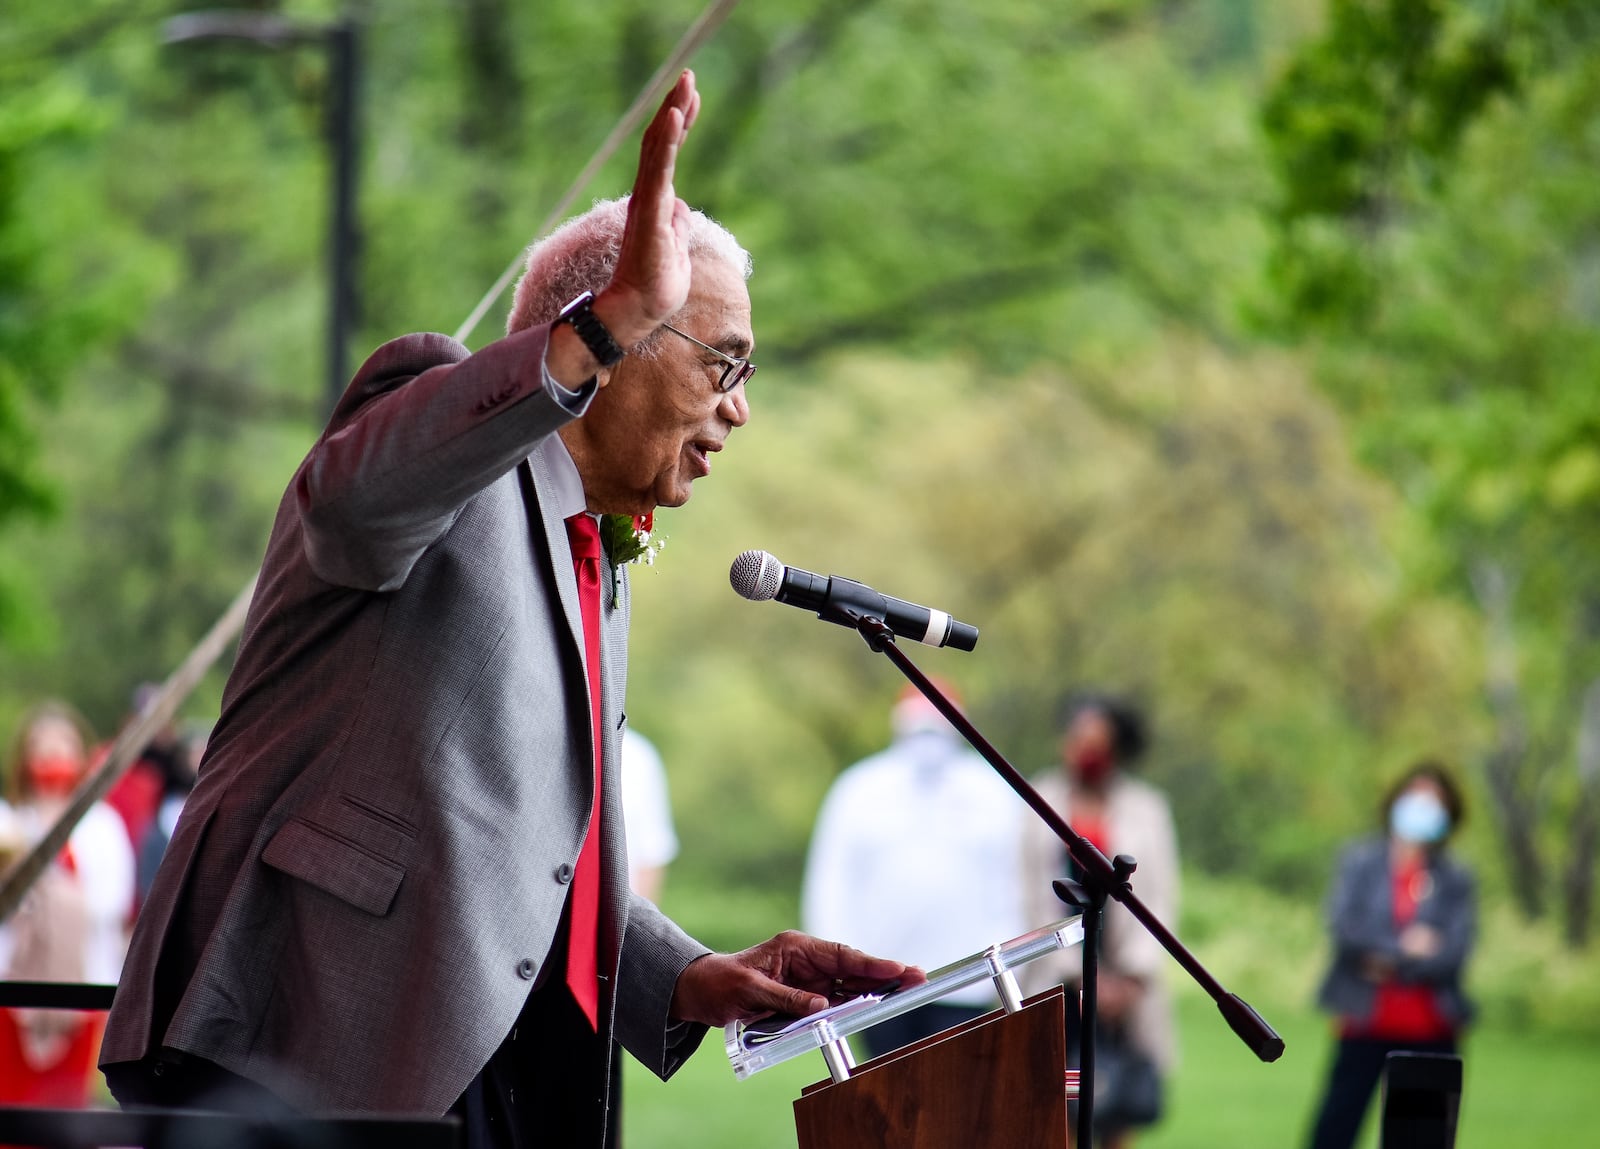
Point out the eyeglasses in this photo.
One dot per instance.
(734, 371)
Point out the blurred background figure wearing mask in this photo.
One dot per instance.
(915, 852)
(1402, 917)
(72, 925)
(179, 769)
(1135, 1046)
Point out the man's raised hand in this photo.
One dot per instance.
(651, 281)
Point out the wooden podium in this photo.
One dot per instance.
(998, 1082)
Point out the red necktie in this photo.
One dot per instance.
(583, 943)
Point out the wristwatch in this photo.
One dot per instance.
(580, 313)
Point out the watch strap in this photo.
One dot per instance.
(580, 314)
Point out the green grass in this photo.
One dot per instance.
(1531, 1065)
(1522, 1089)
(703, 1107)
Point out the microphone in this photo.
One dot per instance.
(759, 576)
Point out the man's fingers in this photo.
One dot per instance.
(792, 974)
(683, 94)
(680, 98)
(803, 1003)
(693, 110)
(658, 158)
(860, 971)
(659, 153)
(677, 112)
(765, 988)
(653, 265)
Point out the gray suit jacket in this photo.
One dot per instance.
(365, 882)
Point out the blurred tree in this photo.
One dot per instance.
(58, 299)
(1205, 543)
(1003, 256)
(902, 160)
(999, 180)
(1360, 120)
(179, 211)
(1438, 218)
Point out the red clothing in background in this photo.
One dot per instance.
(1401, 1011)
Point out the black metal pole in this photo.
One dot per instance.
(341, 40)
(1093, 917)
(344, 59)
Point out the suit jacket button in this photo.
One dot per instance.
(564, 873)
(526, 969)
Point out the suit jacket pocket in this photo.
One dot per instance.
(335, 865)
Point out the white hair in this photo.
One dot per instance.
(581, 255)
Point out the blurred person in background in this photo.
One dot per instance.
(71, 925)
(137, 795)
(179, 771)
(914, 853)
(646, 815)
(1135, 1044)
(1402, 917)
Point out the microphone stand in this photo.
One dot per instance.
(1099, 879)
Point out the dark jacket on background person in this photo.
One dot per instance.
(1361, 919)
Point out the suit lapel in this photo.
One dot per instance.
(551, 531)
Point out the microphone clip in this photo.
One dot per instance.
(872, 628)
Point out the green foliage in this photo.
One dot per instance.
(1527, 1073)
(1191, 531)
(1450, 272)
(1358, 120)
(1010, 265)
(1077, 195)
(1391, 81)
(49, 313)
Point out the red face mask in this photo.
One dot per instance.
(1091, 765)
(54, 774)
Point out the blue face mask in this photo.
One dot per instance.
(1419, 818)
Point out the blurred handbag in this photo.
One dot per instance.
(1127, 1084)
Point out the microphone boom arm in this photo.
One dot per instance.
(1099, 874)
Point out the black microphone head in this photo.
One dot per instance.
(756, 575)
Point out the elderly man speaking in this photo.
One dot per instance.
(400, 884)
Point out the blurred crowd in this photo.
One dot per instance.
(72, 926)
(922, 851)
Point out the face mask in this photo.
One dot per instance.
(1092, 765)
(54, 774)
(1418, 818)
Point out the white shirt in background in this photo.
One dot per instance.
(915, 857)
(646, 807)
